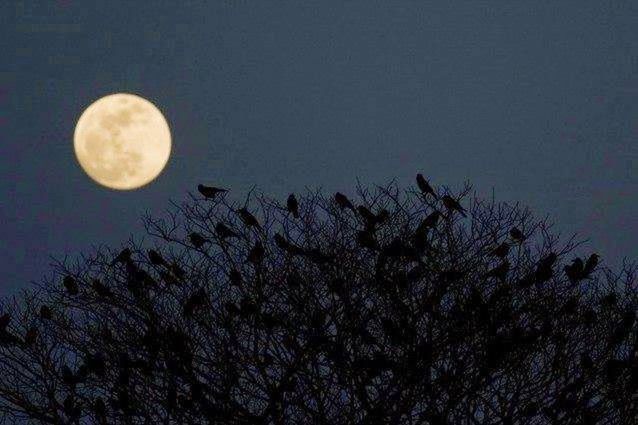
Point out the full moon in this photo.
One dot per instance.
(122, 141)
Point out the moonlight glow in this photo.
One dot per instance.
(122, 141)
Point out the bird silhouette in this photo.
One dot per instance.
(210, 192)
(197, 240)
(248, 219)
(5, 319)
(234, 276)
(224, 231)
(544, 268)
(453, 205)
(343, 201)
(256, 253)
(424, 186)
(70, 285)
(590, 265)
(501, 250)
(574, 271)
(290, 248)
(101, 289)
(500, 271)
(196, 300)
(31, 336)
(366, 239)
(45, 313)
(156, 258)
(293, 205)
(517, 235)
(123, 257)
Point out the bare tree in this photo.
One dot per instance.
(397, 306)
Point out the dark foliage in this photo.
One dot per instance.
(418, 307)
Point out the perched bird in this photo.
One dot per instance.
(5, 319)
(45, 313)
(453, 205)
(156, 258)
(574, 271)
(197, 300)
(516, 234)
(248, 219)
(101, 289)
(366, 239)
(429, 222)
(210, 191)
(424, 186)
(283, 244)
(343, 201)
(30, 336)
(234, 276)
(197, 240)
(70, 285)
(293, 205)
(123, 257)
(499, 271)
(544, 268)
(224, 231)
(501, 250)
(590, 265)
(256, 253)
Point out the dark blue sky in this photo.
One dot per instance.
(536, 100)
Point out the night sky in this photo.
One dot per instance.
(535, 100)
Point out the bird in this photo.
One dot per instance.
(501, 250)
(196, 300)
(5, 319)
(544, 268)
(516, 234)
(424, 186)
(429, 222)
(499, 271)
(256, 254)
(293, 205)
(156, 258)
(366, 239)
(101, 289)
(248, 219)
(224, 231)
(283, 244)
(30, 336)
(123, 257)
(590, 265)
(234, 276)
(210, 192)
(453, 205)
(45, 313)
(343, 201)
(70, 285)
(574, 271)
(197, 240)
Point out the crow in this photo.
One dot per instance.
(343, 201)
(517, 235)
(499, 271)
(501, 250)
(45, 313)
(544, 269)
(429, 222)
(590, 265)
(101, 289)
(197, 240)
(574, 271)
(453, 205)
(256, 254)
(224, 231)
(366, 239)
(234, 276)
(5, 319)
(70, 285)
(424, 186)
(293, 205)
(123, 257)
(30, 336)
(209, 191)
(156, 258)
(248, 219)
(196, 300)
(283, 244)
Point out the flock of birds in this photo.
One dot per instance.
(544, 270)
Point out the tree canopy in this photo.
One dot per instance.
(411, 306)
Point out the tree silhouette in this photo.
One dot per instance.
(313, 310)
